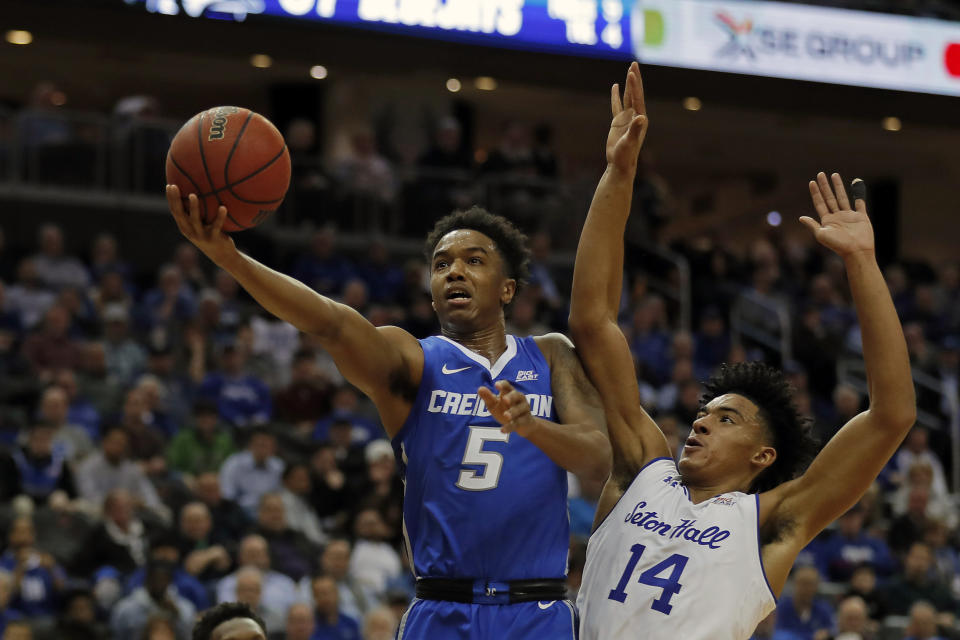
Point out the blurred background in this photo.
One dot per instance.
(139, 385)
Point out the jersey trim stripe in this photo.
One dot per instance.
(763, 569)
(614, 507)
(497, 366)
(403, 620)
(574, 623)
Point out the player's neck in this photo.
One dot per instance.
(489, 342)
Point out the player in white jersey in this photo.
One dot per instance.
(700, 549)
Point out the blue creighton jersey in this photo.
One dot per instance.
(479, 503)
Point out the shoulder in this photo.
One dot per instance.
(557, 348)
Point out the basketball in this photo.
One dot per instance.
(233, 157)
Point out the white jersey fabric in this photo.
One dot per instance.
(661, 567)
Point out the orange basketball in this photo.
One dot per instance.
(234, 157)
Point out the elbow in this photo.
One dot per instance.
(583, 322)
(897, 418)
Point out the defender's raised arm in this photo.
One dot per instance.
(597, 280)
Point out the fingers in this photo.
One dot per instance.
(218, 221)
(489, 399)
(638, 129)
(639, 104)
(841, 192)
(810, 223)
(858, 191)
(615, 106)
(629, 89)
(817, 198)
(827, 192)
(193, 205)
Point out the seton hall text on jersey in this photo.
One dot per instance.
(470, 404)
(710, 537)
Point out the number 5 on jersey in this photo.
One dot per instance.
(474, 454)
(670, 585)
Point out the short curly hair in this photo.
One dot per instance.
(789, 431)
(221, 613)
(510, 241)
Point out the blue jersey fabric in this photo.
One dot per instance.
(440, 620)
(479, 504)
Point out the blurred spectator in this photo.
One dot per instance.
(354, 599)
(923, 623)
(584, 506)
(278, 591)
(247, 475)
(242, 399)
(356, 296)
(331, 623)
(308, 395)
(909, 527)
(186, 258)
(946, 560)
(446, 151)
(523, 318)
(110, 469)
(95, 380)
(78, 619)
(916, 583)
(374, 562)
(40, 468)
(28, 298)
(145, 440)
(157, 598)
(233, 309)
(939, 504)
(541, 274)
(80, 411)
(171, 304)
(105, 258)
(863, 584)
(18, 629)
(250, 592)
(330, 495)
(68, 438)
(851, 546)
(382, 276)
(295, 494)
(175, 387)
(300, 622)
(712, 343)
(321, 268)
(202, 447)
(51, 347)
(290, 552)
(916, 448)
(650, 341)
(364, 172)
(802, 612)
(160, 628)
(346, 409)
(125, 358)
(37, 578)
(229, 518)
(54, 268)
(380, 624)
(119, 541)
(767, 630)
(852, 620)
(204, 550)
(164, 549)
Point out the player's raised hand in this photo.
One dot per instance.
(629, 125)
(509, 407)
(843, 229)
(209, 238)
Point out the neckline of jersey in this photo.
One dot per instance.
(497, 366)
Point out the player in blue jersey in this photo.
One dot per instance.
(700, 548)
(485, 426)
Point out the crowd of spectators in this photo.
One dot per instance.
(167, 446)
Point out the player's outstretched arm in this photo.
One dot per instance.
(597, 280)
(377, 361)
(853, 458)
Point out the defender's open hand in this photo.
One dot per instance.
(842, 229)
(509, 407)
(629, 125)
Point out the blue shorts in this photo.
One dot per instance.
(443, 620)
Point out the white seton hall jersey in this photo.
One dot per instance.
(479, 503)
(660, 567)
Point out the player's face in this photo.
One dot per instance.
(468, 281)
(726, 443)
(238, 629)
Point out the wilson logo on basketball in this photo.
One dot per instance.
(219, 123)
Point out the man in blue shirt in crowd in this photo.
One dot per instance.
(37, 578)
(802, 612)
(331, 623)
(242, 399)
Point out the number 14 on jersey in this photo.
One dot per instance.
(670, 585)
